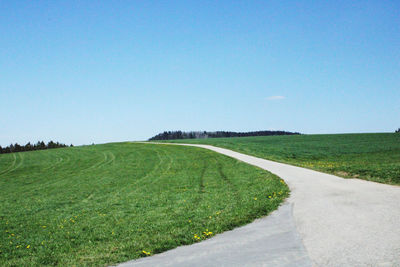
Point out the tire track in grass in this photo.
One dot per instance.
(190, 207)
(98, 164)
(87, 154)
(92, 156)
(11, 166)
(193, 207)
(235, 197)
(201, 189)
(53, 166)
(227, 181)
(155, 168)
(158, 169)
(77, 171)
(132, 187)
(20, 163)
(59, 169)
(112, 158)
(167, 168)
(201, 180)
(65, 159)
(206, 163)
(171, 160)
(15, 165)
(109, 159)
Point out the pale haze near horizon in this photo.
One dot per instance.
(86, 72)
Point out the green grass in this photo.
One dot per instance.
(373, 157)
(103, 204)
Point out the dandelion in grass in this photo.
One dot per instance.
(147, 253)
(207, 233)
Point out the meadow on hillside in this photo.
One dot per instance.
(373, 157)
(104, 204)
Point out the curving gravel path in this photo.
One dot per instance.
(341, 222)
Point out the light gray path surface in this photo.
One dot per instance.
(270, 241)
(342, 222)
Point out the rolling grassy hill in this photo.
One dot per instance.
(103, 204)
(374, 157)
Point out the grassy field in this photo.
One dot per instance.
(103, 204)
(374, 157)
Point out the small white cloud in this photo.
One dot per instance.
(276, 97)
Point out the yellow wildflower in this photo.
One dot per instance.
(147, 253)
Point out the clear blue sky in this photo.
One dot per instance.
(100, 71)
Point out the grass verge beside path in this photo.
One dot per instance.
(104, 204)
(373, 157)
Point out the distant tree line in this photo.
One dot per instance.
(397, 131)
(29, 147)
(204, 134)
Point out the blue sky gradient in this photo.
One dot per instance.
(102, 71)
